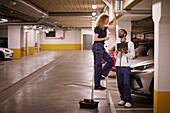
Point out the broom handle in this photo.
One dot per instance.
(92, 92)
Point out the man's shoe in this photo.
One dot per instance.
(121, 103)
(99, 87)
(102, 77)
(128, 105)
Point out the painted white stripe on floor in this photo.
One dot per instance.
(49, 69)
(133, 109)
(112, 107)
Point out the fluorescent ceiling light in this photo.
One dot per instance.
(5, 20)
(13, 2)
(93, 13)
(94, 6)
(46, 31)
(34, 26)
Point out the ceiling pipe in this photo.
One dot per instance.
(107, 3)
(120, 10)
(105, 9)
(33, 7)
(131, 11)
(70, 14)
(39, 22)
(23, 8)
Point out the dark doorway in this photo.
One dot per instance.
(87, 42)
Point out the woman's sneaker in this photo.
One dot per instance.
(121, 103)
(128, 105)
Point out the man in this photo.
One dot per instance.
(123, 70)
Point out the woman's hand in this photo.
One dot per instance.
(116, 52)
(106, 38)
(114, 15)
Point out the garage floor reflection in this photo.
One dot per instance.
(12, 71)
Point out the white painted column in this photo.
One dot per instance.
(161, 17)
(31, 41)
(38, 40)
(14, 40)
(111, 41)
(23, 43)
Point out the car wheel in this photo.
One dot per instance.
(2, 55)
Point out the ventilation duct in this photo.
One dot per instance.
(119, 5)
(39, 22)
(120, 10)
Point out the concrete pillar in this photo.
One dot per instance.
(123, 24)
(31, 42)
(38, 40)
(23, 44)
(111, 41)
(161, 15)
(14, 40)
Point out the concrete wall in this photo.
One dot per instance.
(72, 40)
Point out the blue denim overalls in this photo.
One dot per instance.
(100, 54)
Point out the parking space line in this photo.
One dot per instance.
(134, 109)
(112, 107)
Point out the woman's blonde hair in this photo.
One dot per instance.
(101, 20)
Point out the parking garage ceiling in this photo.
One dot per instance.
(66, 13)
(70, 13)
(61, 13)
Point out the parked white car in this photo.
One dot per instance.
(6, 53)
(142, 78)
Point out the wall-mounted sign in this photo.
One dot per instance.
(55, 34)
(50, 34)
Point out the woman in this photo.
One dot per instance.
(99, 50)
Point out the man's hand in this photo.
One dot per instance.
(124, 51)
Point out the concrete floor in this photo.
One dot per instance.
(13, 71)
(57, 88)
(54, 82)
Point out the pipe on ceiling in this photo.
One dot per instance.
(120, 10)
(39, 22)
(107, 3)
(33, 7)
